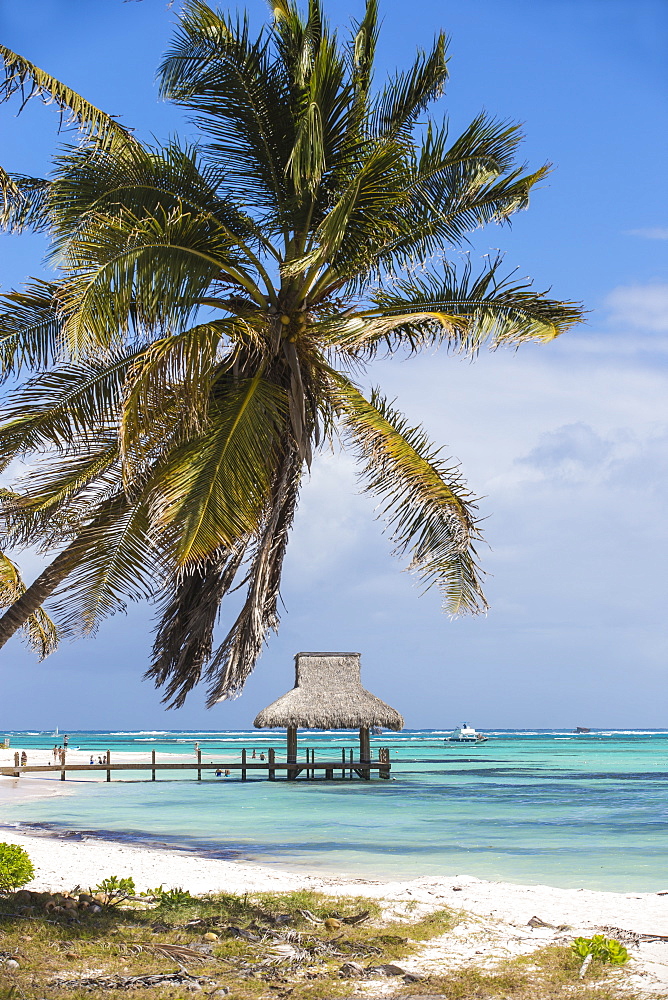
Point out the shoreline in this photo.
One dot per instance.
(64, 859)
(497, 919)
(44, 785)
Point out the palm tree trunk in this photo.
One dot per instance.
(18, 613)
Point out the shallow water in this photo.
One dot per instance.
(528, 807)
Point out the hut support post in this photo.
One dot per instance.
(199, 761)
(292, 751)
(108, 762)
(365, 751)
(153, 762)
(243, 762)
(272, 769)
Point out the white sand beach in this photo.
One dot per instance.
(76, 756)
(496, 915)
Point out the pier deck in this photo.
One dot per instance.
(345, 767)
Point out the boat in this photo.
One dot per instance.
(582, 729)
(466, 734)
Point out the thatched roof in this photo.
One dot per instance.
(328, 694)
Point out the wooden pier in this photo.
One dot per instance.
(347, 767)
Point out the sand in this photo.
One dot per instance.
(75, 756)
(495, 915)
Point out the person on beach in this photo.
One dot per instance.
(227, 772)
(92, 759)
(196, 747)
(261, 756)
(254, 755)
(66, 740)
(219, 773)
(55, 752)
(24, 758)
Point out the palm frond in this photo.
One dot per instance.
(425, 503)
(237, 655)
(41, 634)
(407, 94)
(467, 310)
(30, 328)
(363, 49)
(39, 631)
(24, 203)
(51, 501)
(168, 391)
(11, 584)
(143, 180)
(239, 98)
(212, 490)
(66, 406)
(120, 561)
(188, 615)
(355, 218)
(147, 274)
(28, 80)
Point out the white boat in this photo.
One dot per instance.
(466, 734)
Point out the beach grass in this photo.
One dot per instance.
(283, 945)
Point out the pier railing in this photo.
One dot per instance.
(348, 766)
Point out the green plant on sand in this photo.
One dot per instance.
(601, 949)
(115, 890)
(215, 312)
(170, 899)
(16, 868)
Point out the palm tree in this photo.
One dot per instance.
(214, 309)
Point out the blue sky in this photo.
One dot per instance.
(566, 443)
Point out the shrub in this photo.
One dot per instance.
(601, 949)
(171, 899)
(114, 890)
(16, 868)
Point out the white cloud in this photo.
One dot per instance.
(651, 233)
(643, 307)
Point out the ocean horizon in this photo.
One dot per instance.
(528, 806)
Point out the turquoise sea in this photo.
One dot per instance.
(529, 807)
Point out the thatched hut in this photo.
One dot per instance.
(328, 694)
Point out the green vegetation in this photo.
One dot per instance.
(170, 899)
(215, 312)
(114, 890)
(601, 949)
(254, 947)
(16, 868)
